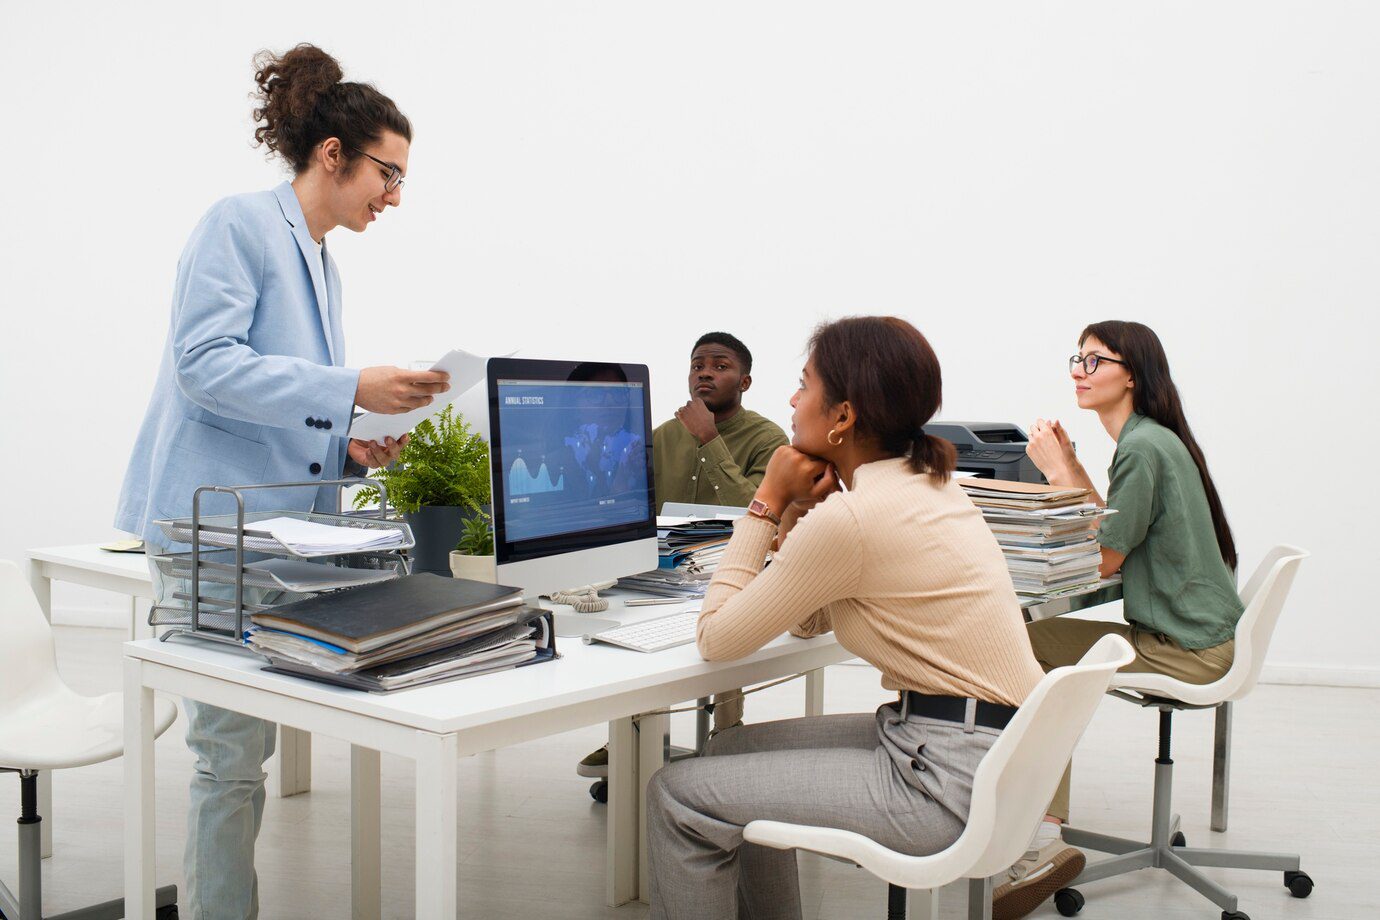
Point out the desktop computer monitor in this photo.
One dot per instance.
(570, 457)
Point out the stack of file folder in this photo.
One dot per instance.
(1048, 534)
(689, 550)
(405, 632)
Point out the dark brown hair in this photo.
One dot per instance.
(890, 374)
(1156, 396)
(303, 102)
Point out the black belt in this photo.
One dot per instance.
(955, 709)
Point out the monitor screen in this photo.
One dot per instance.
(571, 456)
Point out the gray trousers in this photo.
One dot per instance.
(904, 782)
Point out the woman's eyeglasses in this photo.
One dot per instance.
(1090, 362)
(395, 176)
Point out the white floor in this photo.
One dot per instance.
(532, 840)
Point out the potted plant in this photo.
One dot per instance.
(473, 556)
(440, 480)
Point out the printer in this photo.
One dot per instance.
(992, 450)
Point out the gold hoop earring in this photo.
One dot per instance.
(830, 437)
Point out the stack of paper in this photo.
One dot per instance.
(1047, 533)
(302, 577)
(399, 633)
(689, 551)
(312, 538)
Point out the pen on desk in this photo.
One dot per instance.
(649, 601)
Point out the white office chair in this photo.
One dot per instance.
(1011, 790)
(1263, 597)
(45, 725)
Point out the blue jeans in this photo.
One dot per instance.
(227, 790)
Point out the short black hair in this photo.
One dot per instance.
(732, 343)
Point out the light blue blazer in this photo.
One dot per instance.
(251, 387)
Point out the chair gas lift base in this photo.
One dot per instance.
(1168, 849)
(28, 905)
(1263, 600)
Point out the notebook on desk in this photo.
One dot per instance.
(531, 640)
(367, 618)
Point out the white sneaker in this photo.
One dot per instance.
(1034, 878)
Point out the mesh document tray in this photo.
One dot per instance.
(218, 567)
(216, 615)
(221, 530)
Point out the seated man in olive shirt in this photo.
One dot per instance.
(714, 452)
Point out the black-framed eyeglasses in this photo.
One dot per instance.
(1090, 363)
(395, 176)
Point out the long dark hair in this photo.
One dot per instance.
(302, 102)
(889, 372)
(1156, 396)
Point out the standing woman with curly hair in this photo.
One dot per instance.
(253, 388)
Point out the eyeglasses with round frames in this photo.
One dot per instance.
(1090, 363)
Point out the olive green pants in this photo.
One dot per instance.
(1060, 641)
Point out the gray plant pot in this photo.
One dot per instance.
(437, 529)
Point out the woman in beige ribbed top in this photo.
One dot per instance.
(874, 541)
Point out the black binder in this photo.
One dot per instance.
(371, 616)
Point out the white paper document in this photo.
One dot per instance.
(312, 537)
(304, 577)
(465, 371)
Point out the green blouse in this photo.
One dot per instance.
(1174, 581)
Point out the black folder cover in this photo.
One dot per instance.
(368, 679)
(364, 618)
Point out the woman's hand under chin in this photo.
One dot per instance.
(795, 477)
(1050, 449)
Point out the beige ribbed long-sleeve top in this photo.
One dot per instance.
(905, 572)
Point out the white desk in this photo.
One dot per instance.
(436, 725)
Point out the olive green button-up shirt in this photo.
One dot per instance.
(726, 471)
(1174, 581)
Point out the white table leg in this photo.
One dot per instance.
(139, 627)
(653, 750)
(366, 901)
(437, 767)
(814, 692)
(621, 848)
(139, 817)
(42, 586)
(291, 775)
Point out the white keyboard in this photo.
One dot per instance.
(652, 635)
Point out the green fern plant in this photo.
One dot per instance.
(444, 462)
(477, 539)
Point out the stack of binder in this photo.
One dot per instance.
(689, 550)
(408, 631)
(1047, 534)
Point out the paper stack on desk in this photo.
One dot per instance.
(1048, 534)
(404, 632)
(689, 550)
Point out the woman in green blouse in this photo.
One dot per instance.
(1169, 540)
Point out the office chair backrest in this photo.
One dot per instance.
(1017, 777)
(1263, 598)
(28, 661)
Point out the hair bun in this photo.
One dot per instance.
(290, 85)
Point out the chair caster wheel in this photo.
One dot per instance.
(1068, 901)
(599, 792)
(1299, 883)
(1234, 915)
(168, 912)
(1178, 840)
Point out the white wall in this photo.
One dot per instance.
(609, 180)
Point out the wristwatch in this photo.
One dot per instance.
(758, 508)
